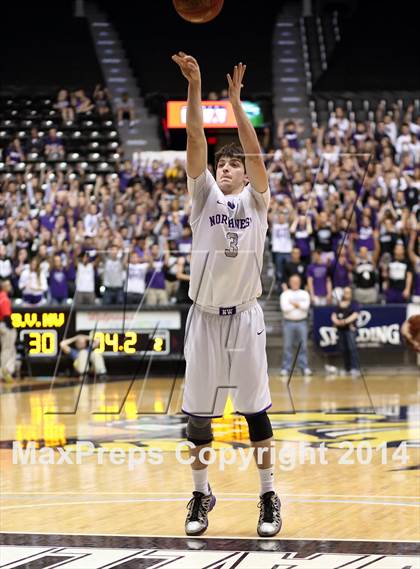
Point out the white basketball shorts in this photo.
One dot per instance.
(225, 354)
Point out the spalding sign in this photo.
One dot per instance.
(376, 326)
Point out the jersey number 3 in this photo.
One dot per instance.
(232, 250)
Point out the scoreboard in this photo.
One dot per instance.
(131, 342)
(216, 114)
(157, 332)
(40, 331)
(144, 332)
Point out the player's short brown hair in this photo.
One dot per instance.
(230, 150)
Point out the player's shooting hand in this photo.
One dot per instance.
(235, 82)
(189, 66)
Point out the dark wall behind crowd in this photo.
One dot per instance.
(43, 47)
(153, 31)
(380, 49)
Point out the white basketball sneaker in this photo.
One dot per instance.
(198, 507)
(269, 523)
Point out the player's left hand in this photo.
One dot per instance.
(235, 82)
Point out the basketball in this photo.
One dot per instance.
(198, 11)
(414, 324)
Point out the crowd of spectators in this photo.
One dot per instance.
(344, 212)
(64, 238)
(71, 108)
(345, 209)
(67, 234)
(78, 103)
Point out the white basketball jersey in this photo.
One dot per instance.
(281, 242)
(228, 243)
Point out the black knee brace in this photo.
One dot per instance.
(199, 431)
(259, 427)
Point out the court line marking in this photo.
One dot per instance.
(187, 493)
(151, 500)
(225, 537)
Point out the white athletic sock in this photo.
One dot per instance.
(200, 479)
(266, 479)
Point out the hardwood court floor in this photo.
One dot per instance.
(367, 487)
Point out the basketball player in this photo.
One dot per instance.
(411, 340)
(225, 332)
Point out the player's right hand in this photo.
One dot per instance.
(188, 65)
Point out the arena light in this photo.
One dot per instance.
(103, 165)
(216, 114)
(113, 133)
(84, 165)
(74, 155)
(42, 164)
(94, 144)
(63, 165)
(48, 123)
(94, 134)
(21, 133)
(59, 133)
(3, 133)
(76, 134)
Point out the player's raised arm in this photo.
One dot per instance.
(254, 162)
(196, 140)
